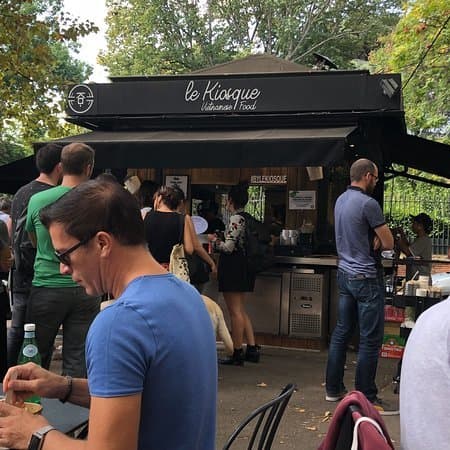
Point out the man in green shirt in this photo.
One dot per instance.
(56, 299)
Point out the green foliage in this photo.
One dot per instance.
(35, 64)
(419, 48)
(176, 36)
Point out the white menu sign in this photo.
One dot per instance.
(302, 199)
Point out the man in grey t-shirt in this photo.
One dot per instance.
(361, 234)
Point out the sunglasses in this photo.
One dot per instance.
(64, 257)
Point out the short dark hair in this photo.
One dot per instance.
(360, 167)
(97, 205)
(47, 157)
(425, 220)
(76, 157)
(171, 196)
(238, 194)
(107, 176)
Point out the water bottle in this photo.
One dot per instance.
(30, 353)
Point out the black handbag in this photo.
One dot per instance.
(198, 269)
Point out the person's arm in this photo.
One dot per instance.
(234, 230)
(113, 423)
(9, 226)
(198, 247)
(29, 225)
(385, 237)
(5, 257)
(188, 243)
(32, 379)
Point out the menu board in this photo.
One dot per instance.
(302, 200)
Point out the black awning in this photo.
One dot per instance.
(16, 174)
(216, 148)
(421, 154)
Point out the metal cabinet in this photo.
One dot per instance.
(308, 305)
(264, 303)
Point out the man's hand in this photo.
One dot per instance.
(29, 379)
(17, 425)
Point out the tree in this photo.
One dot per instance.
(36, 39)
(419, 49)
(178, 36)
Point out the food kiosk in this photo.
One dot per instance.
(290, 132)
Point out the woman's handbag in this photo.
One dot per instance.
(178, 264)
(198, 269)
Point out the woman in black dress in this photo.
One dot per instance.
(163, 228)
(163, 225)
(234, 278)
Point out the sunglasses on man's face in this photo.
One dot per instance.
(64, 257)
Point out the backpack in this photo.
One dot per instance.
(24, 251)
(257, 244)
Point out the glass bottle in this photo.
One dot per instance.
(30, 353)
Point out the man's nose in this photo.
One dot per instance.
(64, 269)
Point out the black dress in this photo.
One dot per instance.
(162, 231)
(232, 273)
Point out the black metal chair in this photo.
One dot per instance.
(268, 418)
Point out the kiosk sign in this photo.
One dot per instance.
(215, 97)
(268, 179)
(80, 99)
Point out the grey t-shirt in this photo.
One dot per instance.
(421, 248)
(425, 382)
(356, 215)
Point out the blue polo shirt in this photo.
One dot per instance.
(356, 215)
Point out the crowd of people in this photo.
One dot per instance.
(145, 356)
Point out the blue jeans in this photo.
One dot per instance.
(361, 300)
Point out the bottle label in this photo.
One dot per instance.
(30, 351)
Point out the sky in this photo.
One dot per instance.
(94, 10)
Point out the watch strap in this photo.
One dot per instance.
(37, 438)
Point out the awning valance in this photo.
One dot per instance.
(14, 175)
(421, 154)
(216, 148)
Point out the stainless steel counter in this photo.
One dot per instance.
(312, 260)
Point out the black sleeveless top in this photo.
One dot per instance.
(162, 232)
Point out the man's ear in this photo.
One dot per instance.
(104, 241)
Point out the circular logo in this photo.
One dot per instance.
(80, 99)
(30, 350)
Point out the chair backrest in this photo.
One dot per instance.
(267, 417)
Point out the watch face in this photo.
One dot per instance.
(34, 442)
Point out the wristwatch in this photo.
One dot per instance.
(37, 438)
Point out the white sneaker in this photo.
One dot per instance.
(335, 398)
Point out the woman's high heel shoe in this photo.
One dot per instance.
(237, 359)
(253, 353)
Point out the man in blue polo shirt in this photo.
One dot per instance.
(361, 234)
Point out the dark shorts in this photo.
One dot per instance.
(232, 273)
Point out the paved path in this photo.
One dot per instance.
(242, 389)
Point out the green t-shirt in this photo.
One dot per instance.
(46, 265)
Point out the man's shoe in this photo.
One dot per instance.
(253, 353)
(385, 408)
(237, 359)
(335, 397)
